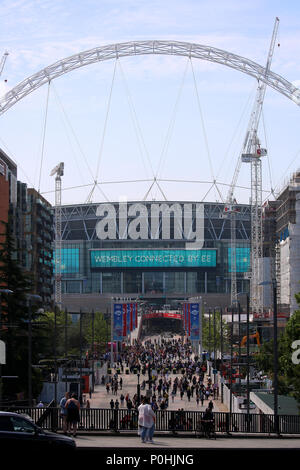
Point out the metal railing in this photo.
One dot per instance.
(100, 419)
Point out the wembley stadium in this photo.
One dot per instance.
(160, 251)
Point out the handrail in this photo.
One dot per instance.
(174, 421)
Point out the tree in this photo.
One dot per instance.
(15, 316)
(208, 332)
(99, 332)
(288, 372)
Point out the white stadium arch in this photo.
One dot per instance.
(177, 48)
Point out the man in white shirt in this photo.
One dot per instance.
(146, 420)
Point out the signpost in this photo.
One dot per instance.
(2, 353)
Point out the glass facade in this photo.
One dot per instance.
(163, 262)
(70, 260)
(242, 259)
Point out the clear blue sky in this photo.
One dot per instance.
(202, 145)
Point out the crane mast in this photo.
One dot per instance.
(251, 153)
(2, 63)
(59, 171)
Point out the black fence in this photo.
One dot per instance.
(99, 419)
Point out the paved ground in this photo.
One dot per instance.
(100, 399)
(169, 442)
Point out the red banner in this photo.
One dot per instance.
(177, 316)
(124, 320)
(131, 317)
(136, 315)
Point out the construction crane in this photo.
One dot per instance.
(254, 336)
(3, 60)
(59, 171)
(251, 153)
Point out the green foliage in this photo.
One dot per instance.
(211, 326)
(99, 332)
(288, 373)
(15, 315)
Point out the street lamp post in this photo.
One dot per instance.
(231, 363)
(276, 422)
(2, 291)
(149, 374)
(275, 353)
(222, 384)
(30, 297)
(55, 355)
(248, 365)
(80, 359)
(239, 343)
(215, 352)
(209, 340)
(93, 348)
(66, 343)
(138, 389)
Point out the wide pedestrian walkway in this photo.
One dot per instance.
(101, 398)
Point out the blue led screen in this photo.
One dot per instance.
(69, 260)
(242, 260)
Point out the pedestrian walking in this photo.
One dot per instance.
(73, 416)
(63, 412)
(146, 421)
(112, 404)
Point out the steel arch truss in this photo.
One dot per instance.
(114, 51)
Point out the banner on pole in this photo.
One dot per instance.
(118, 322)
(135, 315)
(128, 320)
(194, 322)
(124, 320)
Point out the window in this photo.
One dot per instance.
(242, 259)
(22, 425)
(175, 281)
(69, 260)
(153, 282)
(73, 287)
(111, 283)
(6, 424)
(132, 282)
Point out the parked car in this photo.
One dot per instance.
(21, 432)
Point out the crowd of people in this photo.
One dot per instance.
(155, 361)
(167, 370)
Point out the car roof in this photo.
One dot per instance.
(10, 413)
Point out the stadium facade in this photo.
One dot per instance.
(160, 250)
